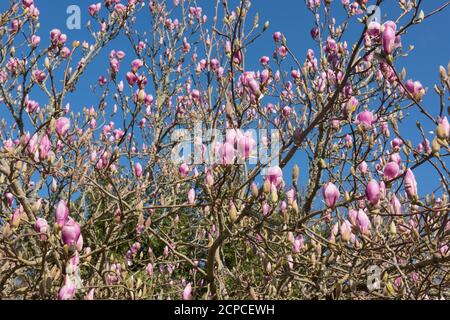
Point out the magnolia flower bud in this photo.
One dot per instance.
(232, 212)
(410, 184)
(61, 213)
(274, 194)
(138, 170)
(191, 196)
(393, 228)
(266, 187)
(70, 233)
(255, 190)
(187, 292)
(373, 193)
(295, 172)
(330, 194)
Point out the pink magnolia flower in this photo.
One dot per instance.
(415, 88)
(67, 292)
(61, 213)
(265, 209)
(39, 76)
(41, 226)
(90, 295)
(330, 194)
(9, 198)
(70, 232)
(28, 3)
(275, 175)
(391, 170)
(57, 38)
(209, 178)
(35, 40)
(298, 244)
(363, 167)
(136, 65)
(246, 145)
(226, 153)
(138, 170)
(191, 196)
(363, 222)
(373, 193)
(264, 60)
(277, 36)
(395, 206)
(352, 216)
(388, 39)
(62, 126)
(149, 269)
(183, 170)
(374, 28)
(44, 147)
(346, 231)
(94, 9)
(195, 94)
(366, 118)
(443, 130)
(410, 184)
(187, 292)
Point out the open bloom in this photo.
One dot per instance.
(330, 194)
(366, 118)
(94, 9)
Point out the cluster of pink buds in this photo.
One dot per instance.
(114, 274)
(237, 145)
(132, 253)
(196, 12)
(249, 85)
(114, 60)
(57, 38)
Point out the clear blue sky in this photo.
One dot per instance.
(431, 41)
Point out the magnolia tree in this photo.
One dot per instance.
(174, 184)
